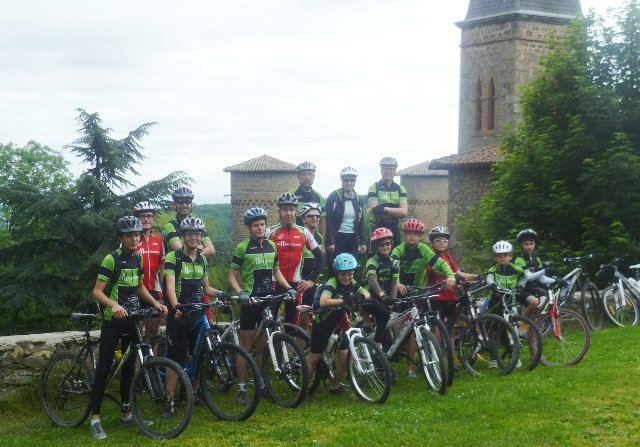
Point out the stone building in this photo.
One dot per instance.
(427, 193)
(501, 45)
(258, 182)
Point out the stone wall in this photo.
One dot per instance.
(427, 198)
(23, 356)
(249, 189)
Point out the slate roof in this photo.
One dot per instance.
(264, 163)
(490, 10)
(478, 157)
(421, 170)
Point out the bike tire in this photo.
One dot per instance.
(444, 340)
(530, 342)
(573, 342)
(65, 383)
(220, 385)
(160, 345)
(592, 307)
(625, 315)
(287, 387)
(373, 382)
(298, 334)
(489, 346)
(149, 399)
(433, 360)
(322, 377)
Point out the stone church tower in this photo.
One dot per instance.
(500, 49)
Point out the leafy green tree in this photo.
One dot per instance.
(572, 165)
(47, 273)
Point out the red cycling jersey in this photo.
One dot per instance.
(152, 251)
(436, 277)
(290, 242)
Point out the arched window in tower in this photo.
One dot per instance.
(478, 101)
(491, 107)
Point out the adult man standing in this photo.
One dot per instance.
(306, 194)
(387, 200)
(183, 204)
(290, 240)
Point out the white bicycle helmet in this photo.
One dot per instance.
(348, 171)
(306, 166)
(502, 247)
(389, 161)
(143, 207)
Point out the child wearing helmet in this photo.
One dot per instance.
(122, 272)
(529, 262)
(382, 274)
(187, 280)
(339, 290)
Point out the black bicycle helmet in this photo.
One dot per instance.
(182, 193)
(287, 199)
(438, 232)
(143, 207)
(525, 234)
(128, 224)
(306, 166)
(191, 224)
(254, 213)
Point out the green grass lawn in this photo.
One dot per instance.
(593, 403)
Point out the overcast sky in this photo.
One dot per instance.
(336, 82)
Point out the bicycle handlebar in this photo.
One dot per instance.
(580, 259)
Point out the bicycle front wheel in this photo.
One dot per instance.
(530, 342)
(592, 308)
(223, 393)
(566, 338)
(489, 346)
(286, 376)
(434, 364)
(65, 383)
(157, 412)
(369, 371)
(620, 307)
(439, 330)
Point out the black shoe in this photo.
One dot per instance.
(169, 411)
(338, 391)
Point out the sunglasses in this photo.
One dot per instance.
(183, 202)
(312, 216)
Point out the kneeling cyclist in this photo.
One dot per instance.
(338, 290)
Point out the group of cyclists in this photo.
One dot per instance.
(313, 238)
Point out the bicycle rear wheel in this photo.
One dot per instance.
(530, 342)
(150, 400)
(489, 346)
(64, 387)
(592, 307)
(620, 307)
(299, 335)
(288, 384)
(439, 330)
(220, 384)
(434, 364)
(369, 371)
(565, 340)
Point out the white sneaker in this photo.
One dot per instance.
(519, 364)
(97, 431)
(492, 363)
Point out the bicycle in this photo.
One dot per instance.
(529, 335)
(213, 369)
(621, 298)
(566, 335)
(487, 344)
(578, 280)
(284, 363)
(432, 358)
(65, 383)
(368, 369)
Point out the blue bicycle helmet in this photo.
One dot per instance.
(254, 213)
(345, 262)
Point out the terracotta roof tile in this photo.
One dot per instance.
(421, 170)
(481, 156)
(264, 163)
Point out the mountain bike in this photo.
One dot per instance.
(577, 280)
(529, 335)
(487, 344)
(367, 366)
(621, 298)
(284, 364)
(566, 335)
(65, 383)
(213, 369)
